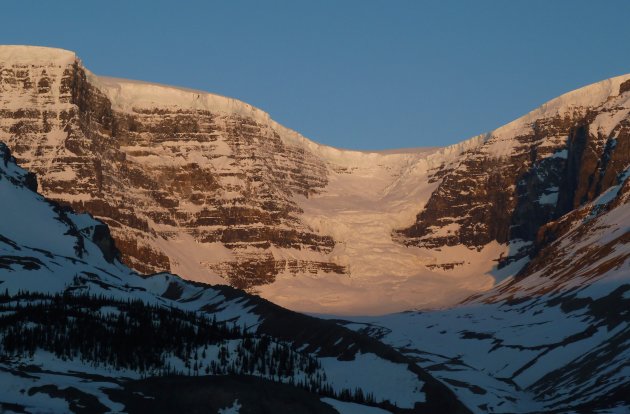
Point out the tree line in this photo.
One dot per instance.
(153, 340)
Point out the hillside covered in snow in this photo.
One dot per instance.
(507, 253)
(556, 338)
(80, 331)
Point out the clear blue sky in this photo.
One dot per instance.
(355, 74)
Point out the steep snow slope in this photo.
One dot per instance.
(556, 338)
(48, 250)
(211, 188)
(368, 196)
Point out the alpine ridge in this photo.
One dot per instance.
(508, 255)
(211, 188)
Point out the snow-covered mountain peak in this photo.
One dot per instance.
(573, 104)
(35, 55)
(127, 95)
(588, 96)
(133, 95)
(213, 189)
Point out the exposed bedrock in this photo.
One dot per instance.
(527, 174)
(153, 174)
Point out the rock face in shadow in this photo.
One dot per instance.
(190, 394)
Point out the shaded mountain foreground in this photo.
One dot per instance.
(555, 338)
(81, 332)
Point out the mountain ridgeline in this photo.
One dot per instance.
(211, 188)
(520, 237)
(556, 161)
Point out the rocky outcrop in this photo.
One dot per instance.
(529, 173)
(153, 173)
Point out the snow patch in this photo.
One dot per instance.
(235, 408)
(352, 408)
(367, 371)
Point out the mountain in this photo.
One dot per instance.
(211, 188)
(556, 338)
(81, 332)
(519, 238)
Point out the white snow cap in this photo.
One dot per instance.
(19, 54)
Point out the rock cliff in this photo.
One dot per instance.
(213, 189)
